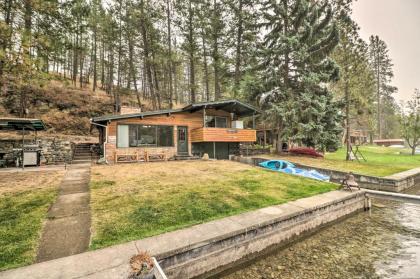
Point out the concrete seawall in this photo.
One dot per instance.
(204, 249)
(392, 183)
(267, 227)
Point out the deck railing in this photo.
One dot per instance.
(208, 134)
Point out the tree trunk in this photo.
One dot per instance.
(168, 13)
(81, 56)
(378, 84)
(117, 92)
(191, 52)
(75, 56)
(347, 98)
(102, 65)
(8, 22)
(279, 142)
(206, 68)
(132, 69)
(147, 55)
(94, 55)
(238, 58)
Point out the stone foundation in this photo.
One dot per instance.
(53, 151)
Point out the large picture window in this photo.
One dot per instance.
(216, 121)
(145, 136)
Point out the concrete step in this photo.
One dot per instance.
(186, 157)
(82, 148)
(82, 153)
(80, 161)
(82, 156)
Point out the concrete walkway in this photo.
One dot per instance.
(67, 231)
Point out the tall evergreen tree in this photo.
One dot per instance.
(382, 67)
(356, 84)
(300, 36)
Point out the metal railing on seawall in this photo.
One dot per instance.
(157, 270)
(393, 196)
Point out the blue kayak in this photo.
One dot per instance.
(287, 167)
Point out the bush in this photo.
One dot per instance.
(307, 151)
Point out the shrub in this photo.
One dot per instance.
(307, 151)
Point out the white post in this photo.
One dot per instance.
(23, 143)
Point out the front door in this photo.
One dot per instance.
(182, 140)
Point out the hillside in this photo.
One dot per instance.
(65, 109)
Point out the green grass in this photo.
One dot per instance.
(381, 161)
(21, 216)
(153, 202)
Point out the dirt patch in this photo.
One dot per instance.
(27, 181)
(167, 174)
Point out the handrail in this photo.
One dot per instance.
(157, 270)
(393, 196)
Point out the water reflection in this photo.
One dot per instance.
(382, 244)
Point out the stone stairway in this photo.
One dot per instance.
(82, 153)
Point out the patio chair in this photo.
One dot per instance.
(349, 181)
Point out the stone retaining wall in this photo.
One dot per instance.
(393, 183)
(53, 151)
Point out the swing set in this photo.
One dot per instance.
(356, 154)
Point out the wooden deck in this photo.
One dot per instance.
(223, 135)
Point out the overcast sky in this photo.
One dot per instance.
(397, 22)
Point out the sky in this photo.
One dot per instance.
(397, 22)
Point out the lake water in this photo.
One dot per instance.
(382, 243)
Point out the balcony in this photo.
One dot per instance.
(223, 135)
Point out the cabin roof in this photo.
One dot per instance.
(134, 115)
(22, 123)
(234, 106)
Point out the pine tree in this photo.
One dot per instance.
(295, 64)
(356, 84)
(410, 121)
(382, 67)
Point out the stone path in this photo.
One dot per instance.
(67, 231)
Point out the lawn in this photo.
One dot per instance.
(24, 202)
(381, 161)
(139, 200)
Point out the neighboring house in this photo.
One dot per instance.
(389, 142)
(360, 136)
(212, 127)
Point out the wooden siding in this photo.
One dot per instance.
(223, 135)
(191, 120)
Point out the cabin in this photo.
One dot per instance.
(216, 128)
(389, 142)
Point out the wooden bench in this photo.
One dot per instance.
(156, 156)
(129, 156)
(137, 156)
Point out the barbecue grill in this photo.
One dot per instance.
(32, 155)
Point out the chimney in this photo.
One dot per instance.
(129, 110)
